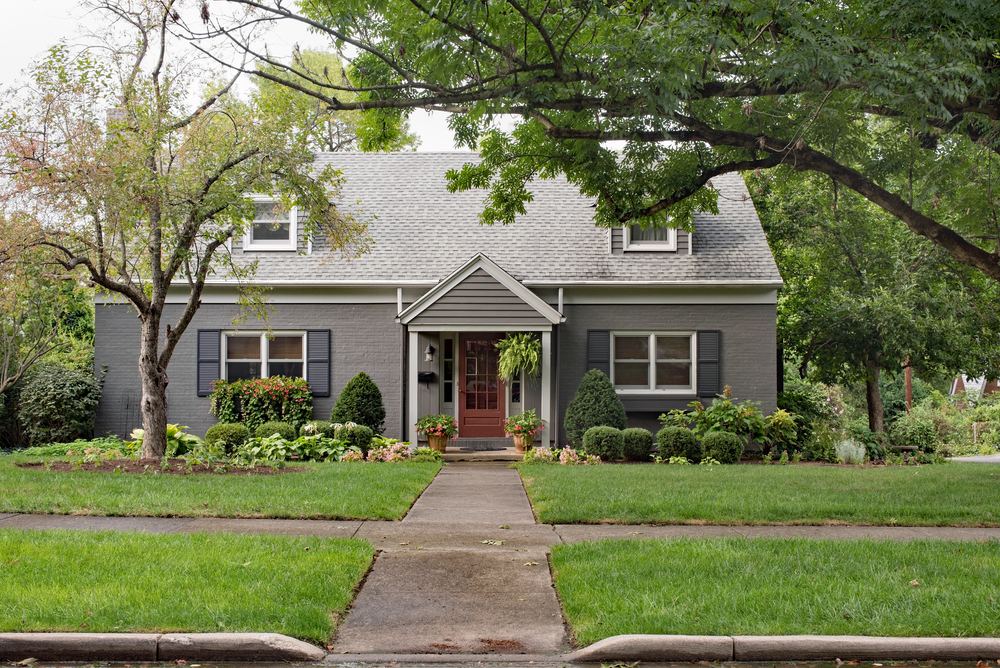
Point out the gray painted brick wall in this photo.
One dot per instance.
(364, 338)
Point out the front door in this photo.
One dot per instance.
(481, 392)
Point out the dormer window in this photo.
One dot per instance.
(639, 238)
(273, 228)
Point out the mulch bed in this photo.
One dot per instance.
(174, 466)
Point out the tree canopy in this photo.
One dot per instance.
(690, 91)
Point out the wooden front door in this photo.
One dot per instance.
(481, 392)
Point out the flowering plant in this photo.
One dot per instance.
(438, 425)
(258, 400)
(567, 456)
(527, 424)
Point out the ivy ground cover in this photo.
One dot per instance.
(938, 495)
(317, 491)
(778, 586)
(129, 582)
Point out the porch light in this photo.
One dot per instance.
(429, 353)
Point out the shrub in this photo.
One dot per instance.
(810, 402)
(850, 451)
(822, 444)
(355, 436)
(56, 404)
(313, 427)
(227, 435)
(360, 401)
(723, 414)
(637, 444)
(605, 442)
(256, 401)
(781, 433)
(595, 405)
(909, 430)
(723, 446)
(678, 442)
(284, 429)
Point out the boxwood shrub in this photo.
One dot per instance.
(359, 436)
(723, 446)
(360, 401)
(678, 442)
(286, 430)
(228, 435)
(637, 443)
(596, 404)
(605, 442)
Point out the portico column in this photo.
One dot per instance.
(411, 388)
(547, 387)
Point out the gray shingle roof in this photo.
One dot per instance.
(422, 232)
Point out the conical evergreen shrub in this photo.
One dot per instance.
(361, 402)
(595, 405)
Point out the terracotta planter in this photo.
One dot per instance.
(439, 443)
(521, 442)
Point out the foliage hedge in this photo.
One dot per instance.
(909, 430)
(229, 435)
(605, 442)
(678, 442)
(361, 402)
(57, 404)
(286, 430)
(723, 446)
(596, 404)
(256, 401)
(637, 444)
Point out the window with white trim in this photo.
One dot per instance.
(248, 355)
(639, 238)
(272, 228)
(661, 362)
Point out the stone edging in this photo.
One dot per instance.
(156, 647)
(784, 648)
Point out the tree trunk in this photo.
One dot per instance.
(154, 391)
(876, 415)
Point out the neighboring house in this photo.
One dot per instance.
(973, 387)
(670, 316)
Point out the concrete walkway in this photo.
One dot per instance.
(464, 589)
(978, 459)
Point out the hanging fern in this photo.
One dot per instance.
(519, 352)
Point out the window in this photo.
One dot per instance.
(638, 238)
(254, 355)
(653, 362)
(448, 372)
(273, 228)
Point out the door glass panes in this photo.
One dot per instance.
(481, 382)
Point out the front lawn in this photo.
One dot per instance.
(937, 495)
(120, 582)
(320, 491)
(775, 586)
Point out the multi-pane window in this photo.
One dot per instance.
(638, 237)
(254, 355)
(273, 227)
(652, 361)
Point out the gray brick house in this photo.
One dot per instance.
(670, 316)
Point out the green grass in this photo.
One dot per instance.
(321, 491)
(774, 586)
(938, 495)
(122, 582)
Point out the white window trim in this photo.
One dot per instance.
(652, 389)
(629, 245)
(293, 232)
(265, 351)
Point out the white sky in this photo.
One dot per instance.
(29, 27)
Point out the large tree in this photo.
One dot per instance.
(692, 89)
(137, 160)
(862, 296)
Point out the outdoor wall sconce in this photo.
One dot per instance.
(429, 353)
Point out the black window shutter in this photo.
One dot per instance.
(709, 363)
(209, 362)
(599, 350)
(318, 361)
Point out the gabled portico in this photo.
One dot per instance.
(451, 333)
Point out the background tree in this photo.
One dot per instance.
(862, 296)
(136, 159)
(692, 90)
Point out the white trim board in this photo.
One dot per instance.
(451, 327)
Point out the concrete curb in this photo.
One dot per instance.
(784, 648)
(156, 647)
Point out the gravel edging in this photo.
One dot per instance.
(156, 647)
(641, 647)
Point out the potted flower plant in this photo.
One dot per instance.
(523, 428)
(438, 429)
